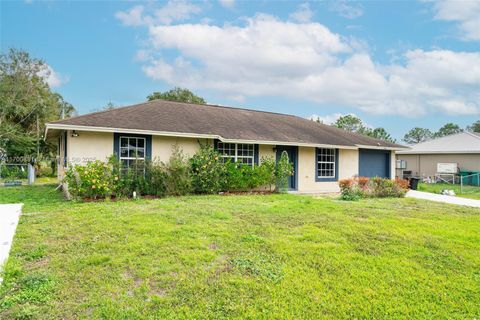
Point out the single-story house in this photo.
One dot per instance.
(423, 159)
(321, 154)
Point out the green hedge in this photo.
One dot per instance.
(203, 173)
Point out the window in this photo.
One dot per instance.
(132, 153)
(237, 152)
(401, 164)
(326, 161)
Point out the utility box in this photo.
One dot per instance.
(448, 168)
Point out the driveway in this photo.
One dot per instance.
(9, 214)
(443, 198)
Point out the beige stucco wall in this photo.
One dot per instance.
(265, 151)
(89, 146)
(347, 168)
(162, 146)
(426, 164)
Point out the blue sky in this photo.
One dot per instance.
(396, 64)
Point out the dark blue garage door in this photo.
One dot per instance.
(374, 163)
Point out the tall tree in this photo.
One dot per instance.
(474, 127)
(26, 104)
(353, 123)
(417, 135)
(177, 94)
(350, 123)
(380, 133)
(448, 129)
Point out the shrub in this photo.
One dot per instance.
(353, 189)
(242, 177)
(207, 170)
(178, 180)
(266, 172)
(350, 190)
(9, 172)
(283, 172)
(94, 180)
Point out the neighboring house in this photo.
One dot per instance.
(461, 148)
(320, 154)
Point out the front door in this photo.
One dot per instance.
(292, 152)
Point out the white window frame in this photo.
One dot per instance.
(319, 162)
(128, 148)
(236, 156)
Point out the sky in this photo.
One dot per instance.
(395, 64)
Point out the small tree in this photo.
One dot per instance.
(207, 170)
(177, 94)
(284, 172)
(178, 181)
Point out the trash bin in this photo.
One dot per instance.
(413, 183)
(476, 178)
(466, 178)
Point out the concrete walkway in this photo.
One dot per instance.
(9, 214)
(443, 198)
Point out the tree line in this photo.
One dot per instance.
(416, 135)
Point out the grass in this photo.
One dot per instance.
(257, 257)
(38, 181)
(471, 192)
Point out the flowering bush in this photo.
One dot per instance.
(354, 189)
(207, 170)
(204, 173)
(94, 180)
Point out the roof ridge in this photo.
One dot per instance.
(473, 134)
(443, 137)
(179, 102)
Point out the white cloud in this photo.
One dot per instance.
(173, 10)
(227, 3)
(269, 57)
(133, 17)
(347, 10)
(142, 55)
(465, 13)
(327, 119)
(51, 77)
(303, 14)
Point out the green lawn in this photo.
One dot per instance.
(254, 257)
(471, 192)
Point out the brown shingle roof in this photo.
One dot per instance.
(226, 122)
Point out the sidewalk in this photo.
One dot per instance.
(443, 198)
(9, 215)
